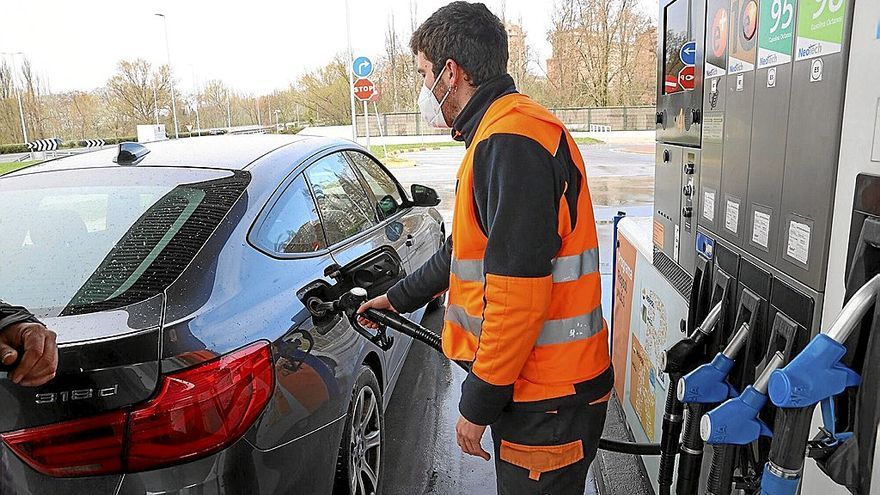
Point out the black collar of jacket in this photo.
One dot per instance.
(465, 125)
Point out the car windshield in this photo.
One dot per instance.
(85, 240)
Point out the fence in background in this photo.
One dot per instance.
(576, 119)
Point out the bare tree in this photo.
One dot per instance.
(139, 93)
(10, 128)
(324, 92)
(598, 48)
(215, 96)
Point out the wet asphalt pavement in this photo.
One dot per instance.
(422, 456)
(420, 429)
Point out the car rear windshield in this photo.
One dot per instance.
(80, 241)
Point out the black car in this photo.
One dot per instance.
(174, 274)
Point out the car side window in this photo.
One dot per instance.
(384, 187)
(345, 207)
(292, 226)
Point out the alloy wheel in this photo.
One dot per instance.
(365, 444)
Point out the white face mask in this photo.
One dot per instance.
(429, 106)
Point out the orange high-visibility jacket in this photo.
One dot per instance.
(521, 265)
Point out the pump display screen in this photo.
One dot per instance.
(679, 49)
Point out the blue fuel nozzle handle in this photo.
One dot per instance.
(708, 383)
(736, 421)
(813, 375)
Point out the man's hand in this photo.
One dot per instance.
(380, 302)
(469, 436)
(39, 360)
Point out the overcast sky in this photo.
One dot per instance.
(254, 45)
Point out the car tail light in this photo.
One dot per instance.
(197, 411)
(73, 448)
(201, 410)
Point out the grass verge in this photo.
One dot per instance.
(588, 140)
(7, 167)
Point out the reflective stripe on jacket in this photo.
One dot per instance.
(532, 339)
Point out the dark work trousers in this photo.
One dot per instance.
(538, 453)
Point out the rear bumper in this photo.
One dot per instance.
(304, 466)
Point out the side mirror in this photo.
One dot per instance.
(424, 196)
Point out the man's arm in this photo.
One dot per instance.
(10, 315)
(517, 188)
(22, 335)
(424, 284)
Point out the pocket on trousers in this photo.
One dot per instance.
(540, 459)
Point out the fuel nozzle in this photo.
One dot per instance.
(736, 421)
(352, 300)
(818, 373)
(348, 303)
(677, 359)
(708, 383)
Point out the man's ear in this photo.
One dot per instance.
(456, 74)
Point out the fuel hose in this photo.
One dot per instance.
(670, 433)
(691, 455)
(422, 334)
(678, 360)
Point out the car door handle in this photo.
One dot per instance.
(409, 240)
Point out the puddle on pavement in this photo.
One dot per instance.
(622, 191)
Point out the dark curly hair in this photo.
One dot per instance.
(469, 34)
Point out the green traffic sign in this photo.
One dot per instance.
(776, 32)
(820, 28)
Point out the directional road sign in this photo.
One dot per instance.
(688, 53)
(362, 67)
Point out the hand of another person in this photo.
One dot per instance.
(39, 353)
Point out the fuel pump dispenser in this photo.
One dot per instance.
(767, 182)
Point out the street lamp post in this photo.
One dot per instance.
(18, 94)
(350, 75)
(228, 112)
(259, 121)
(198, 100)
(170, 76)
(155, 105)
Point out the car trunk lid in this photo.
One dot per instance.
(107, 360)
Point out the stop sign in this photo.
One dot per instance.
(364, 89)
(686, 78)
(375, 96)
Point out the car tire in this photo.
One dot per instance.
(359, 466)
